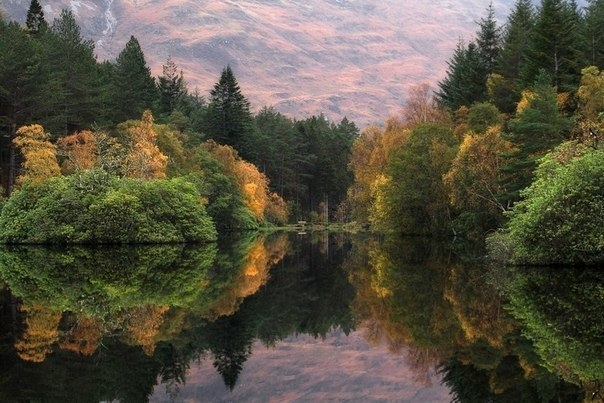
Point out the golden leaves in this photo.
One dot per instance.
(39, 154)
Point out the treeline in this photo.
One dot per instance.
(49, 76)
(463, 160)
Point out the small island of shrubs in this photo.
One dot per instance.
(95, 188)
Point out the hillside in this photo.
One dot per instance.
(352, 58)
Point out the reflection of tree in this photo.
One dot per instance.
(400, 295)
(100, 281)
(253, 274)
(104, 290)
(143, 325)
(113, 309)
(83, 337)
(477, 307)
(231, 344)
(40, 334)
(440, 311)
(563, 313)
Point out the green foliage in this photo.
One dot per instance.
(561, 219)
(537, 128)
(133, 88)
(482, 116)
(415, 198)
(60, 210)
(102, 282)
(226, 205)
(563, 314)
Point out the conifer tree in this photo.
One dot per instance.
(133, 87)
(229, 119)
(172, 88)
(537, 128)
(465, 82)
(488, 41)
(72, 100)
(594, 32)
(35, 21)
(555, 46)
(515, 39)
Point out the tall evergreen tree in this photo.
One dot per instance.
(465, 81)
(35, 21)
(516, 35)
(21, 81)
(488, 41)
(537, 128)
(594, 32)
(504, 86)
(554, 46)
(73, 87)
(172, 88)
(229, 119)
(133, 87)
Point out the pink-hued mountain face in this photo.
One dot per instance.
(353, 58)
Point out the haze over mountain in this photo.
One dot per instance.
(353, 58)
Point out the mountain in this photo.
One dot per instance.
(353, 58)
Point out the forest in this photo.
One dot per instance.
(70, 122)
(506, 145)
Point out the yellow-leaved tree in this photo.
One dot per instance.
(79, 150)
(368, 162)
(145, 160)
(253, 183)
(39, 154)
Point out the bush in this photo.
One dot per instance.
(561, 219)
(95, 208)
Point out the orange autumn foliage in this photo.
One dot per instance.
(79, 151)
(253, 274)
(143, 325)
(252, 182)
(40, 334)
(84, 338)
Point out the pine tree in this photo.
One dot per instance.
(21, 81)
(35, 21)
(488, 41)
(229, 119)
(465, 82)
(72, 88)
(172, 89)
(555, 46)
(594, 32)
(133, 88)
(515, 39)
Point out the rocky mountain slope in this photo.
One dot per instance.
(353, 58)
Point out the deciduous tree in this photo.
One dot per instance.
(38, 152)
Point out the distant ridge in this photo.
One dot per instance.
(353, 58)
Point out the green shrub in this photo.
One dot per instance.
(95, 208)
(561, 219)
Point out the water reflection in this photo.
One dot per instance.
(117, 320)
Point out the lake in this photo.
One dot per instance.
(296, 317)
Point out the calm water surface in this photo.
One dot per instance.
(291, 317)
